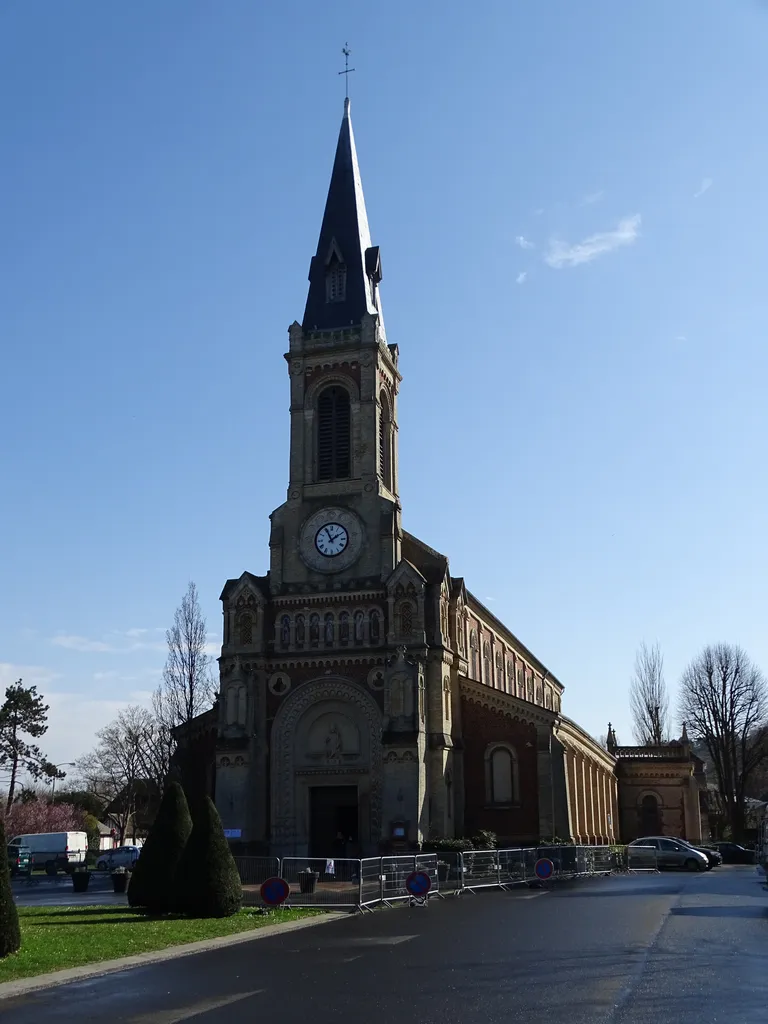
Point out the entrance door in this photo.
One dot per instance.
(332, 810)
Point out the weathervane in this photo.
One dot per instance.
(347, 69)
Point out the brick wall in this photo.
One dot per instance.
(482, 726)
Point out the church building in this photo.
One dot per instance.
(364, 690)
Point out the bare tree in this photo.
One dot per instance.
(187, 688)
(724, 702)
(648, 697)
(114, 770)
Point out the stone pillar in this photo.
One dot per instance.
(591, 803)
(598, 791)
(544, 774)
(568, 799)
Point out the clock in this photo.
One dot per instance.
(331, 540)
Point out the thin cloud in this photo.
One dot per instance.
(705, 186)
(681, 337)
(117, 642)
(561, 254)
(592, 198)
(524, 243)
(521, 277)
(72, 642)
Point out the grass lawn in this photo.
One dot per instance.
(53, 938)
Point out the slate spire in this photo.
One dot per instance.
(345, 272)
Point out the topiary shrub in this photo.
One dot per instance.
(152, 879)
(10, 934)
(207, 882)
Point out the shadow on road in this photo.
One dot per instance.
(752, 912)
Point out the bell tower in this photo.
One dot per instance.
(340, 523)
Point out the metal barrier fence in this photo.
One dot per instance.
(370, 881)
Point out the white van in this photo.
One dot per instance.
(55, 850)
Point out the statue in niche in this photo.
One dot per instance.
(333, 745)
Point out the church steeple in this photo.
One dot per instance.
(345, 272)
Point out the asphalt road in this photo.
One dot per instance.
(42, 891)
(682, 949)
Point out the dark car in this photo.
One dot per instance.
(732, 853)
(20, 860)
(714, 856)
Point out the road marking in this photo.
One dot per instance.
(533, 895)
(349, 959)
(372, 940)
(194, 1010)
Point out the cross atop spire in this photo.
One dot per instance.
(347, 69)
(345, 272)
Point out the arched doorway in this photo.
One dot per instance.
(650, 815)
(326, 771)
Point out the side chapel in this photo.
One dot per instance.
(364, 690)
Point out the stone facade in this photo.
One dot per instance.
(366, 696)
(662, 791)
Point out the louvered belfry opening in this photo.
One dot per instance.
(333, 430)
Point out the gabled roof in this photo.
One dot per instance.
(345, 237)
(432, 565)
(259, 583)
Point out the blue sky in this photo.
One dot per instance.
(570, 201)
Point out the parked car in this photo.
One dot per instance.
(713, 856)
(664, 853)
(120, 857)
(55, 850)
(732, 853)
(20, 860)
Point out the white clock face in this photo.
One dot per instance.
(331, 539)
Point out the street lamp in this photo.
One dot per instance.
(64, 764)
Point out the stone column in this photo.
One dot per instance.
(544, 773)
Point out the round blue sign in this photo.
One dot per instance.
(275, 891)
(544, 868)
(418, 883)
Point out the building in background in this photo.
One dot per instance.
(662, 790)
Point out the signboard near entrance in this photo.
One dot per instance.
(275, 891)
(418, 884)
(233, 833)
(544, 869)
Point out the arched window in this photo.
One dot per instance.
(510, 676)
(385, 441)
(328, 629)
(488, 679)
(344, 628)
(473, 652)
(406, 618)
(447, 690)
(335, 280)
(300, 631)
(314, 630)
(285, 631)
(375, 627)
(245, 629)
(333, 433)
(501, 778)
(231, 705)
(359, 627)
(499, 670)
(460, 631)
(530, 688)
(547, 697)
(242, 705)
(539, 695)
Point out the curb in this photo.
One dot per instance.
(9, 989)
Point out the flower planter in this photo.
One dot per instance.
(307, 881)
(80, 880)
(120, 881)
